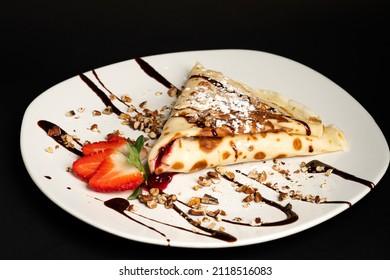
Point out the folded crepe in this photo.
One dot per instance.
(219, 121)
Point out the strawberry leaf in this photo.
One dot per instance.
(139, 143)
(133, 158)
(135, 194)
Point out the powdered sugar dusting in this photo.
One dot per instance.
(220, 105)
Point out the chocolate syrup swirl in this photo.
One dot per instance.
(120, 205)
(106, 88)
(153, 73)
(101, 94)
(48, 126)
(291, 216)
(312, 168)
(214, 233)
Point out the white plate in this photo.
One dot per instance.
(257, 69)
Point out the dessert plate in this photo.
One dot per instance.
(311, 198)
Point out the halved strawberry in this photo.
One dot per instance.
(115, 173)
(86, 166)
(113, 142)
(117, 143)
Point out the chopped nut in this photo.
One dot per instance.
(258, 176)
(70, 113)
(194, 202)
(197, 187)
(152, 135)
(154, 191)
(49, 149)
(320, 168)
(257, 197)
(54, 131)
(131, 109)
(212, 225)
(94, 128)
(172, 91)
(124, 116)
(283, 196)
(126, 98)
(143, 104)
(203, 181)
(248, 198)
(328, 172)
(214, 177)
(96, 113)
(108, 110)
(256, 221)
(151, 204)
(208, 199)
(145, 197)
(161, 198)
(132, 208)
(224, 172)
(196, 212)
(213, 214)
(170, 200)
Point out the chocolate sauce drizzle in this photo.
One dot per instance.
(291, 216)
(47, 126)
(120, 205)
(153, 73)
(101, 94)
(312, 168)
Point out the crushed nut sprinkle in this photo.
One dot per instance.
(108, 110)
(54, 131)
(208, 199)
(126, 98)
(96, 113)
(172, 91)
(257, 221)
(70, 113)
(197, 212)
(94, 127)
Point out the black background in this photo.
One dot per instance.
(46, 42)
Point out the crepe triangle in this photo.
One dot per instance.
(219, 121)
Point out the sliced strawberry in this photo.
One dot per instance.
(113, 142)
(116, 142)
(86, 166)
(115, 173)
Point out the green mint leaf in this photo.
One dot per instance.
(135, 193)
(134, 151)
(133, 158)
(139, 143)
